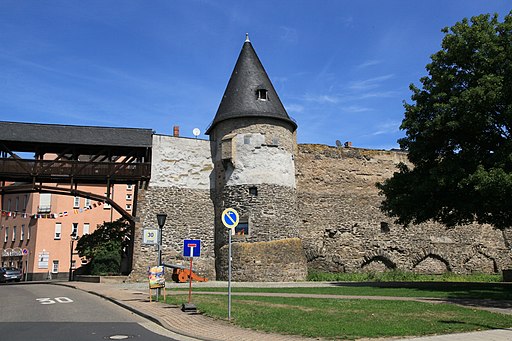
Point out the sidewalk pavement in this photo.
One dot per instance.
(135, 297)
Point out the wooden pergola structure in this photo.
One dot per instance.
(73, 155)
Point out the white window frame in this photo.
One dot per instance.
(55, 266)
(6, 236)
(14, 233)
(76, 202)
(128, 207)
(87, 202)
(86, 229)
(29, 229)
(45, 203)
(58, 231)
(129, 196)
(25, 202)
(22, 232)
(129, 187)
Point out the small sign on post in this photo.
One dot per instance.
(150, 236)
(156, 279)
(191, 249)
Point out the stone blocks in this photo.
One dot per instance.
(275, 261)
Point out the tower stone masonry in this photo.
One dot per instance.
(253, 144)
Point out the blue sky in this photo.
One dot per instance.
(341, 68)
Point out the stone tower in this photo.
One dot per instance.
(253, 143)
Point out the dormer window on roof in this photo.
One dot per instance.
(262, 94)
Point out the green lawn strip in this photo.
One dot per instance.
(346, 319)
(401, 276)
(487, 292)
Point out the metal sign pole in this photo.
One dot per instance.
(191, 249)
(190, 276)
(230, 219)
(229, 276)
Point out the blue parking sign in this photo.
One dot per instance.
(230, 218)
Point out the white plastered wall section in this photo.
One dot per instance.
(255, 162)
(181, 162)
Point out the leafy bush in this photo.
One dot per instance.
(107, 258)
(105, 246)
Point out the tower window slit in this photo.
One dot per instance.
(253, 191)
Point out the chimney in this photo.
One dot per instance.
(176, 131)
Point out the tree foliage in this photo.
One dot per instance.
(458, 132)
(105, 246)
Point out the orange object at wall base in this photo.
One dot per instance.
(180, 275)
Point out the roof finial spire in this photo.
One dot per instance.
(247, 38)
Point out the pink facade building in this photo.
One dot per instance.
(37, 230)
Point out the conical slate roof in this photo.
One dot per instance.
(241, 96)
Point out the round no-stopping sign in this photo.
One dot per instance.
(230, 218)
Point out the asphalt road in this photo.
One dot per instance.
(52, 312)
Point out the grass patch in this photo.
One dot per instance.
(400, 276)
(466, 291)
(345, 319)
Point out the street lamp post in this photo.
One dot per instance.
(160, 218)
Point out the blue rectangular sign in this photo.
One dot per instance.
(191, 248)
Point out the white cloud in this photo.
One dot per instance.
(369, 63)
(347, 21)
(370, 83)
(378, 94)
(321, 98)
(289, 34)
(386, 128)
(297, 108)
(279, 79)
(355, 109)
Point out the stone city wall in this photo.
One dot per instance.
(336, 216)
(343, 229)
(275, 261)
(180, 187)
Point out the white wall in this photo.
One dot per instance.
(181, 162)
(258, 163)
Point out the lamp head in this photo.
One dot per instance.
(160, 217)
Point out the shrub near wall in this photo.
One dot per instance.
(274, 261)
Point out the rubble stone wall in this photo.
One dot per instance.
(275, 261)
(343, 230)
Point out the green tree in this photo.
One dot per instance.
(458, 132)
(105, 247)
